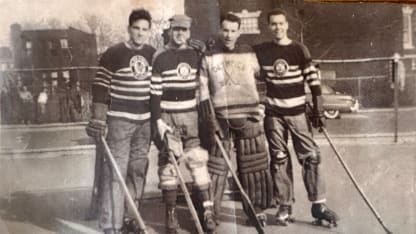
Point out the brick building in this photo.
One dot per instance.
(6, 58)
(53, 48)
(332, 31)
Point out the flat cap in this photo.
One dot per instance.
(183, 21)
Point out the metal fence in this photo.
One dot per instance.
(68, 92)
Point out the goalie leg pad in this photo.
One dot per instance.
(218, 170)
(253, 164)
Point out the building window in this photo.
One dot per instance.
(54, 75)
(249, 21)
(407, 27)
(28, 47)
(413, 65)
(65, 74)
(3, 66)
(53, 48)
(64, 43)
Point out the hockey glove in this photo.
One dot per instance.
(317, 118)
(197, 45)
(96, 129)
(163, 128)
(174, 144)
(207, 116)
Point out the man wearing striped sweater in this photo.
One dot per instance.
(286, 68)
(121, 111)
(174, 89)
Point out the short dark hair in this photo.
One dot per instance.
(277, 11)
(232, 18)
(138, 14)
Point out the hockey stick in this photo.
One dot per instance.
(96, 188)
(130, 201)
(184, 188)
(354, 181)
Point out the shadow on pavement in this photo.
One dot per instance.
(45, 209)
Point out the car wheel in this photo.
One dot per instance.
(331, 114)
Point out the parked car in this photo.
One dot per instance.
(334, 102)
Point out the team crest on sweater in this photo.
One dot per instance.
(139, 66)
(280, 67)
(183, 70)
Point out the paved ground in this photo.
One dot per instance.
(49, 191)
(51, 136)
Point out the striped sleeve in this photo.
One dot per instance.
(204, 92)
(260, 81)
(156, 90)
(101, 81)
(310, 73)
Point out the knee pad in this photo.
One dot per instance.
(167, 177)
(312, 160)
(196, 161)
(279, 158)
(196, 156)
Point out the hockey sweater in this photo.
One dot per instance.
(232, 83)
(123, 82)
(174, 81)
(286, 69)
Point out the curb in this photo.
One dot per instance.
(375, 138)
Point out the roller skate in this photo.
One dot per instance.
(131, 226)
(284, 215)
(171, 222)
(209, 222)
(322, 213)
(261, 217)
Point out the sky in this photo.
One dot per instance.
(69, 11)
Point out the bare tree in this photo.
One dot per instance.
(93, 22)
(54, 23)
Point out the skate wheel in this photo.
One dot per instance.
(281, 222)
(332, 224)
(291, 220)
(317, 222)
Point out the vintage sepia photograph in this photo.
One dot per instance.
(207, 117)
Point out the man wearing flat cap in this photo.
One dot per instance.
(174, 91)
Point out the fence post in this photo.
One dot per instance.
(396, 58)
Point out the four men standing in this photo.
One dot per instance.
(135, 84)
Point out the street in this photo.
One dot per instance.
(47, 177)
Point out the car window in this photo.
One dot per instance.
(327, 90)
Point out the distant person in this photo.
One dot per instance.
(27, 104)
(75, 104)
(5, 105)
(286, 68)
(42, 100)
(64, 93)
